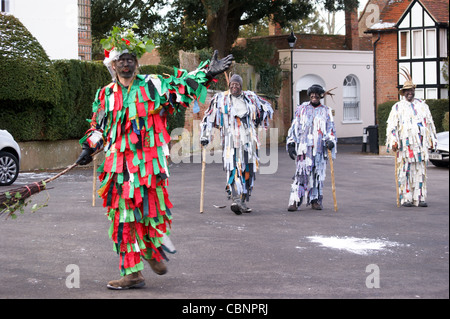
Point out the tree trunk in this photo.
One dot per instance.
(223, 28)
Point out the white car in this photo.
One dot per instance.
(9, 158)
(439, 156)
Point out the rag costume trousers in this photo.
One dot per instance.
(308, 186)
(412, 182)
(241, 178)
(137, 230)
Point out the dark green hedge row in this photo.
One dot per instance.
(37, 117)
(62, 112)
(79, 82)
(27, 79)
(445, 123)
(438, 109)
(42, 99)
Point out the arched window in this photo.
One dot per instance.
(351, 98)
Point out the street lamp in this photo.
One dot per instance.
(291, 40)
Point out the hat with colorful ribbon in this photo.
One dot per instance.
(123, 41)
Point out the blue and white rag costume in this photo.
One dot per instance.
(238, 118)
(310, 129)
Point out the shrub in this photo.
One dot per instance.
(445, 122)
(438, 108)
(383, 111)
(30, 74)
(79, 83)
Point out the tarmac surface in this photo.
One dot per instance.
(368, 248)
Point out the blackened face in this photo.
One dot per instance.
(235, 88)
(126, 66)
(314, 98)
(409, 95)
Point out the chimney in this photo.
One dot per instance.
(351, 29)
(274, 28)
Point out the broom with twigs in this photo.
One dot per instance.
(18, 198)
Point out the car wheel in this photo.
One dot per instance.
(9, 168)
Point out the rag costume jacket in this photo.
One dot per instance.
(310, 128)
(130, 123)
(411, 126)
(238, 118)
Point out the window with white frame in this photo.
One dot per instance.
(5, 6)
(351, 99)
(404, 44)
(430, 43)
(417, 44)
(443, 42)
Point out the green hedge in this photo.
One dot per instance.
(25, 119)
(16, 42)
(44, 100)
(26, 79)
(445, 122)
(80, 80)
(25, 69)
(438, 109)
(65, 116)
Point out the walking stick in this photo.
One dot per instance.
(396, 179)
(94, 181)
(333, 186)
(202, 187)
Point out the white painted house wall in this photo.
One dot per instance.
(54, 23)
(329, 68)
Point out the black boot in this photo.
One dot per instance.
(244, 207)
(236, 206)
(316, 205)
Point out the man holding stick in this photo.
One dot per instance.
(129, 122)
(311, 135)
(410, 133)
(237, 114)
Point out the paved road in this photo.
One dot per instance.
(369, 248)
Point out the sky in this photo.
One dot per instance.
(340, 17)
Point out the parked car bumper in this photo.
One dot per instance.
(440, 155)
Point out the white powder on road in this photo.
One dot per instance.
(359, 246)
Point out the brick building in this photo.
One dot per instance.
(84, 30)
(411, 34)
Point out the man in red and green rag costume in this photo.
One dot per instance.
(129, 122)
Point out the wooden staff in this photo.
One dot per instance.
(333, 186)
(94, 181)
(396, 179)
(226, 77)
(202, 187)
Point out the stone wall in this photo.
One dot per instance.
(46, 155)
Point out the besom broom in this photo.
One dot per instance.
(17, 198)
